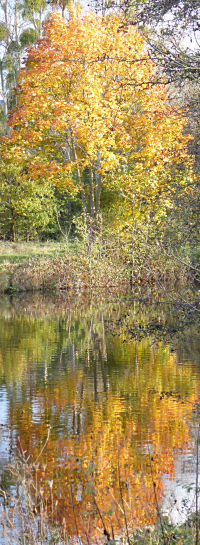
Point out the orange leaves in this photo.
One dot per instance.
(85, 101)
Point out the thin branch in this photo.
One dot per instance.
(48, 433)
(183, 301)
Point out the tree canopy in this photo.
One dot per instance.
(91, 113)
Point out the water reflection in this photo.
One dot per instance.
(119, 411)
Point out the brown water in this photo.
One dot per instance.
(119, 410)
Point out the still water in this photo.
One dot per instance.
(120, 410)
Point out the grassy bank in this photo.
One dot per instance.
(54, 266)
(16, 252)
(57, 266)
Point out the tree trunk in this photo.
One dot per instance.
(98, 184)
(3, 92)
(80, 184)
(13, 227)
(132, 241)
(92, 206)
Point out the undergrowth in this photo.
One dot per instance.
(104, 264)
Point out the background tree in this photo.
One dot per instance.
(25, 208)
(10, 23)
(20, 25)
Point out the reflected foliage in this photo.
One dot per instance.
(118, 411)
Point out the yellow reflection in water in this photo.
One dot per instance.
(119, 412)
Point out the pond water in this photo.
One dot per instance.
(120, 406)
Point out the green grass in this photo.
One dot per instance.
(14, 252)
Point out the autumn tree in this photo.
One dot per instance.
(170, 28)
(88, 115)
